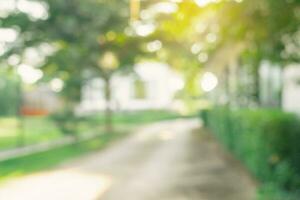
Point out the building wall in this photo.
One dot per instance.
(291, 89)
(270, 85)
(160, 85)
(41, 98)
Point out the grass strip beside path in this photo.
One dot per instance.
(46, 160)
(124, 123)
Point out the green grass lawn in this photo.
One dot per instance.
(42, 129)
(35, 130)
(45, 160)
(138, 117)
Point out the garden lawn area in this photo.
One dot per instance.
(140, 117)
(43, 129)
(45, 160)
(39, 129)
(34, 130)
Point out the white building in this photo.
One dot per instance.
(41, 98)
(281, 87)
(152, 86)
(291, 89)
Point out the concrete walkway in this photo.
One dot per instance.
(162, 161)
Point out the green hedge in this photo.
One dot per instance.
(267, 141)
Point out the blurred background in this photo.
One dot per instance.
(76, 75)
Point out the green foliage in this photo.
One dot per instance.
(79, 33)
(9, 94)
(273, 192)
(265, 140)
(67, 122)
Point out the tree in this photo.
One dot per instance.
(261, 28)
(255, 28)
(90, 37)
(81, 34)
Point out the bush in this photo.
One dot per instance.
(67, 122)
(267, 141)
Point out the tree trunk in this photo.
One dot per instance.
(21, 120)
(108, 111)
(227, 85)
(256, 80)
(21, 131)
(280, 93)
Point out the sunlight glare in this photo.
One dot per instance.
(196, 48)
(144, 30)
(56, 85)
(209, 82)
(29, 74)
(61, 184)
(35, 10)
(177, 83)
(211, 37)
(203, 57)
(154, 46)
(8, 35)
(165, 7)
(6, 7)
(109, 61)
(14, 60)
(203, 3)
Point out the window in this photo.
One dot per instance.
(139, 89)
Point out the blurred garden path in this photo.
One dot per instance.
(168, 160)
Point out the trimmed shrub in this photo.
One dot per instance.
(266, 141)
